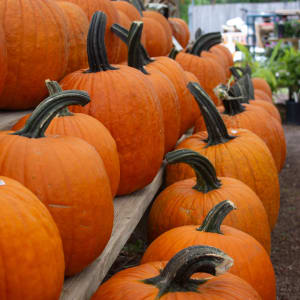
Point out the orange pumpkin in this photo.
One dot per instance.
(86, 128)
(36, 41)
(226, 53)
(3, 59)
(125, 102)
(68, 176)
(262, 84)
(189, 275)
(262, 95)
(128, 9)
(187, 202)
(78, 25)
(31, 246)
(257, 271)
(180, 31)
(228, 149)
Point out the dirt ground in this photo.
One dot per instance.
(285, 237)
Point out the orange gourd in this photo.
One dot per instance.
(195, 273)
(67, 175)
(186, 202)
(228, 150)
(31, 247)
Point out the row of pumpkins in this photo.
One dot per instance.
(105, 130)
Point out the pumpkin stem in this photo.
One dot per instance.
(216, 129)
(123, 34)
(175, 277)
(139, 6)
(243, 88)
(41, 117)
(96, 50)
(53, 88)
(206, 177)
(135, 60)
(173, 53)
(215, 217)
(232, 105)
(205, 42)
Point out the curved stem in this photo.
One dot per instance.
(53, 88)
(235, 73)
(41, 117)
(96, 50)
(200, 43)
(243, 88)
(206, 177)
(175, 277)
(134, 54)
(173, 53)
(216, 129)
(139, 6)
(215, 217)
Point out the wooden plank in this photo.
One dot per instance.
(10, 118)
(128, 212)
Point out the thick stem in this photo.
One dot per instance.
(53, 88)
(96, 50)
(41, 117)
(175, 277)
(135, 59)
(206, 177)
(216, 129)
(173, 53)
(235, 73)
(243, 88)
(215, 217)
(204, 41)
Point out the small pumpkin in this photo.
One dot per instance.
(187, 202)
(195, 273)
(251, 261)
(227, 150)
(31, 247)
(67, 175)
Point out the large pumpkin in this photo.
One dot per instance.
(36, 41)
(78, 26)
(68, 176)
(257, 271)
(32, 264)
(3, 59)
(228, 150)
(86, 128)
(187, 202)
(189, 275)
(125, 102)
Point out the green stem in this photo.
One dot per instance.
(216, 129)
(214, 219)
(173, 53)
(204, 42)
(243, 87)
(176, 276)
(96, 50)
(206, 177)
(41, 117)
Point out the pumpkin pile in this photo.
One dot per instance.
(118, 100)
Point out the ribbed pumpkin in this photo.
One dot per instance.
(255, 119)
(251, 261)
(189, 275)
(125, 102)
(78, 26)
(32, 264)
(180, 31)
(164, 23)
(36, 41)
(3, 59)
(262, 95)
(163, 87)
(262, 84)
(88, 129)
(228, 150)
(67, 175)
(174, 72)
(111, 41)
(187, 202)
(226, 53)
(128, 9)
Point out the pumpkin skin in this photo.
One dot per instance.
(261, 95)
(268, 107)
(28, 232)
(68, 176)
(261, 84)
(3, 59)
(117, 92)
(226, 53)
(128, 9)
(88, 129)
(139, 283)
(45, 54)
(180, 31)
(188, 201)
(78, 25)
(251, 261)
(111, 41)
(227, 154)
